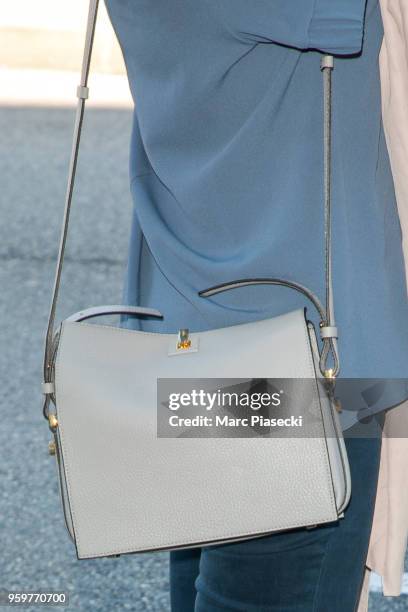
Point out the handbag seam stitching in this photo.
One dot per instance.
(173, 543)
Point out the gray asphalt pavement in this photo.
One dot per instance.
(35, 552)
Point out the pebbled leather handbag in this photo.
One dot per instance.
(126, 490)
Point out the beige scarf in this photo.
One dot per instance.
(389, 533)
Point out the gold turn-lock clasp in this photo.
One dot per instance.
(184, 341)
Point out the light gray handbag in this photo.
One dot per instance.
(123, 488)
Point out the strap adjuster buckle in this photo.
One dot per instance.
(47, 388)
(82, 92)
(328, 331)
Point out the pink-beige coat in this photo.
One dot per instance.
(388, 541)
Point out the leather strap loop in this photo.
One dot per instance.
(100, 311)
(245, 282)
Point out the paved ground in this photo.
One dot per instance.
(34, 147)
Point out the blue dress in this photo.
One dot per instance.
(226, 171)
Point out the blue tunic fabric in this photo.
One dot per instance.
(226, 170)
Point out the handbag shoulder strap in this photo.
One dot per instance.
(327, 324)
(82, 94)
(328, 328)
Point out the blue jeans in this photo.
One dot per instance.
(299, 570)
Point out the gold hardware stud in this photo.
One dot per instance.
(184, 341)
(329, 373)
(52, 448)
(53, 422)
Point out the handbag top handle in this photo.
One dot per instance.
(328, 329)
